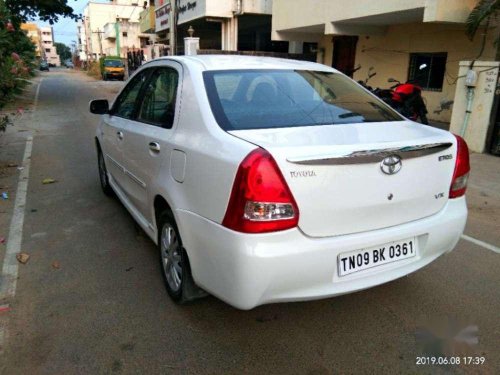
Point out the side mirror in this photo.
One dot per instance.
(99, 106)
(391, 80)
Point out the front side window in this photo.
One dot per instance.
(258, 99)
(125, 104)
(158, 105)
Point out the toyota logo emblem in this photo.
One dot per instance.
(391, 164)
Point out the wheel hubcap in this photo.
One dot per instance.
(171, 257)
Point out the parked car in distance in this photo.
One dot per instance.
(267, 180)
(113, 68)
(69, 64)
(44, 66)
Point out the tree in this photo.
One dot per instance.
(63, 51)
(45, 10)
(17, 55)
(482, 14)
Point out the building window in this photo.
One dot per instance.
(431, 76)
(124, 33)
(47, 50)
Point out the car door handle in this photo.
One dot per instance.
(154, 146)
(119, 135)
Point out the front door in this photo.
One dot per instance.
(148, 145)
(344, 53)
(113, 129)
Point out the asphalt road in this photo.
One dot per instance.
(105, 310)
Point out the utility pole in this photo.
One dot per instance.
(117, 32)
(99, 32)
(173, 26)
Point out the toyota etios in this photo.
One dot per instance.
(266, 180)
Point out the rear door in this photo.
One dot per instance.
(148, 146)
(114, 127)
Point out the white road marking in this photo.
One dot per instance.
(481, 243)
(10, 264)
(10, 267)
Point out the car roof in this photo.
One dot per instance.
(239, 62)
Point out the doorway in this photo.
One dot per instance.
(344, 53)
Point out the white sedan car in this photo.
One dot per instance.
(267, 180)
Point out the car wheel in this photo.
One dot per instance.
(103, 175)
(174, 262)
(423, 118)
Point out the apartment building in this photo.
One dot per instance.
(34, 33)
(232, 25)
(112, 29)
(391, 37)
(48, 48)
(82, 41)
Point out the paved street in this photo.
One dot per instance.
(91, 298)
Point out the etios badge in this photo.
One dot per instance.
(391, 164)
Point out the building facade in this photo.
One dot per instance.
(227, 25)
(34, 33)
(81, 42)
(392, 38)
(48, 48)
(112, 29)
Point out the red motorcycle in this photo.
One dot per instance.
(406, 98)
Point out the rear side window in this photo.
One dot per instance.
(257, 99)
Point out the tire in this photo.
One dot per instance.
(423, 118)
(103, 175)
(174, 262)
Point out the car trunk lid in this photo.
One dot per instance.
(336, 175)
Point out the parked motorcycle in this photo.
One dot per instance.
(406, 98)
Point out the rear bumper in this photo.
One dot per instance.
(249, 270)
(114, 74)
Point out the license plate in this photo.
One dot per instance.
(360, 260)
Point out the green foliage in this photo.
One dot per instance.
(93, 69)
(45, 10)
(482, 13)
(63, 51)
(17, 58)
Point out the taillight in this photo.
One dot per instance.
(462, 168)
(260, 200)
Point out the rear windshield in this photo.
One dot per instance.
(259, 99)
(113, 63)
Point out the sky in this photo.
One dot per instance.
(65, 28)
